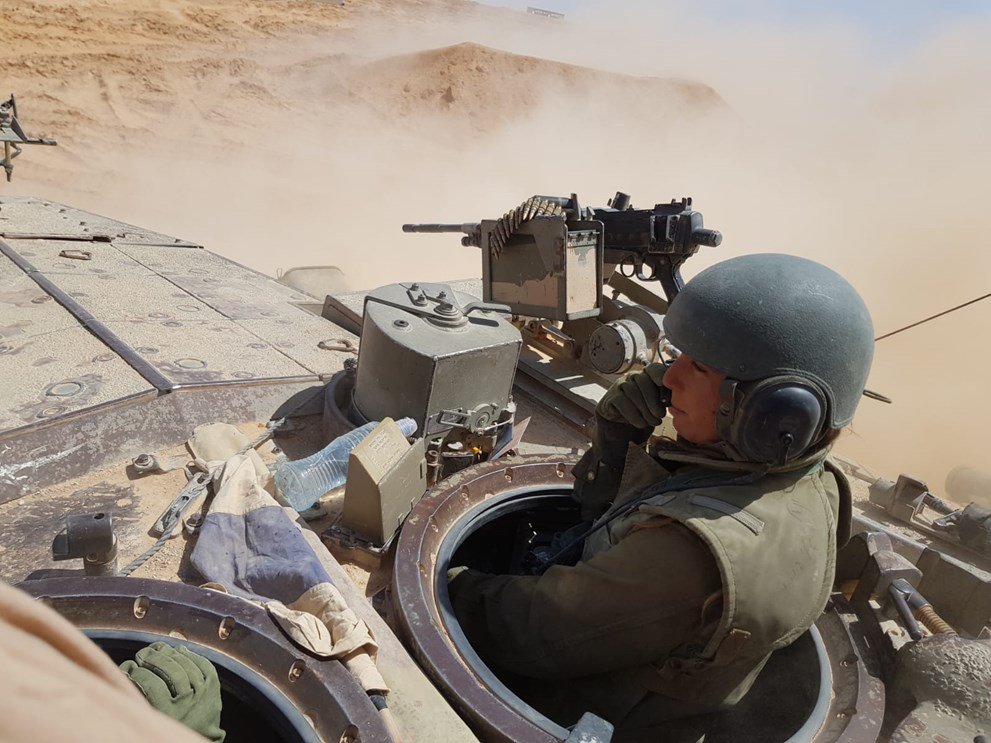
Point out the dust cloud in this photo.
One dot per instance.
(282, 137)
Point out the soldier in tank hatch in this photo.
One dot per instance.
(702, 555)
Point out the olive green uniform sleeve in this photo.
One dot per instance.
(627, 605)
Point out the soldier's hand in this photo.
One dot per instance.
(636, 399)
(180, 684)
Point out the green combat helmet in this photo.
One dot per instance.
(795, 341)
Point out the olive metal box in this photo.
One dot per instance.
(548, 268)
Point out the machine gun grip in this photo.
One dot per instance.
(708, 238)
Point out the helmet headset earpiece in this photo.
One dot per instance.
(794, 340)
(773, 420)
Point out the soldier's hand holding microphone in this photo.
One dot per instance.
(639, 400)
(627, 414)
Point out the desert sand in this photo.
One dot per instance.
(298, 132)
(283, 133)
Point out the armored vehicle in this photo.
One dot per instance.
(140, 371)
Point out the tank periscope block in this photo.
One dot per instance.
(386, 477)
(436, 357)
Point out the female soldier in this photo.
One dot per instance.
(712, 551)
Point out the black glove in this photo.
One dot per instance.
(627, 413)
(638, 400)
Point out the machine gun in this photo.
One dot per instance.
(550, 257)
(13, 136)
(660, 239)
(650, 244)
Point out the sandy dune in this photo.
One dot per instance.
(129, 75)
(300, 132)
(485, 87)
(241, 124)
(231, 122)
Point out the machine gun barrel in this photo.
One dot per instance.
(472, 231)
(468, 227)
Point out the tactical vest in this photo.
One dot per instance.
(774, 542)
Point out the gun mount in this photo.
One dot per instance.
(550, 257)
(13, 136)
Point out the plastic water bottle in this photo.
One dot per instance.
(304, 481)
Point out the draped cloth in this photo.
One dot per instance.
(251, 546)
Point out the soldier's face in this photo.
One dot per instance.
(694, 399)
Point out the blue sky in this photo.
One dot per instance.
(890, 22)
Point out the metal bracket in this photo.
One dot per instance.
(477, 420)
(12, 135)
(79, 255)
(437, 303)
(89, 537)
(445, 420)
(881, 568)
(487, 307)
(345, 345)
(145, 463)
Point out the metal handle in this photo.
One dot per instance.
(486, 307)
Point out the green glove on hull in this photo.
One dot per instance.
(181, 684)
